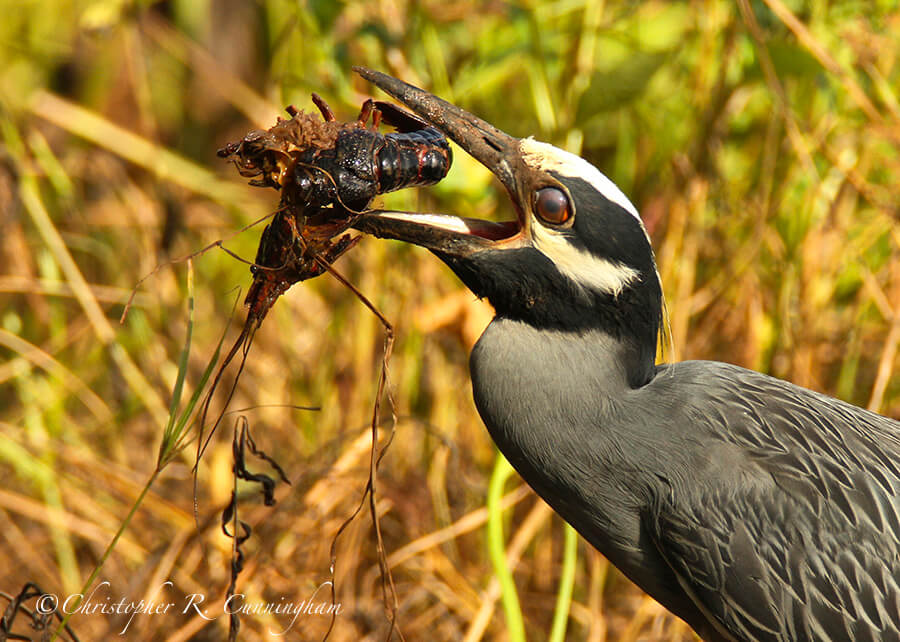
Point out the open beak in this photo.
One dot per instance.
(499, 152)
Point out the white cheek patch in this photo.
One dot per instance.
(548, 158)
(585, 269)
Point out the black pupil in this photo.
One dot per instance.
(552, 205)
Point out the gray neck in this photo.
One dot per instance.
(562, 408)
(547, 370)
(544, 393)
(559, 407)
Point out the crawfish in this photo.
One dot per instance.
(328, 172)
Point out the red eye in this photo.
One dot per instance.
(552, 205)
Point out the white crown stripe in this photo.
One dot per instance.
(548, 158)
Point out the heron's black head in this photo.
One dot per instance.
(577, 257)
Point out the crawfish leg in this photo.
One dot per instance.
(324, 109)
(376, 118)
(368, 109)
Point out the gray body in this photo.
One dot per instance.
(752, 508)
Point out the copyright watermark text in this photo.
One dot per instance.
(102, 602)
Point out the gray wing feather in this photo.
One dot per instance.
(807, 547)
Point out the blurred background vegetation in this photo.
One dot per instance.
(758, 138)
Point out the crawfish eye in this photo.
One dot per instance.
(552, 205)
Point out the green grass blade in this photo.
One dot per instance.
(185, 352)
(515, 623)
(185, 416)
(566, 585)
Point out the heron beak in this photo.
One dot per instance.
(496, 150)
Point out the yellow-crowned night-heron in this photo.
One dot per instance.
(750, 507)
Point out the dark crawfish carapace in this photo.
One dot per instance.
(322, 162)
(328, 172)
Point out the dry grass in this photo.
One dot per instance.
(760, 141)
